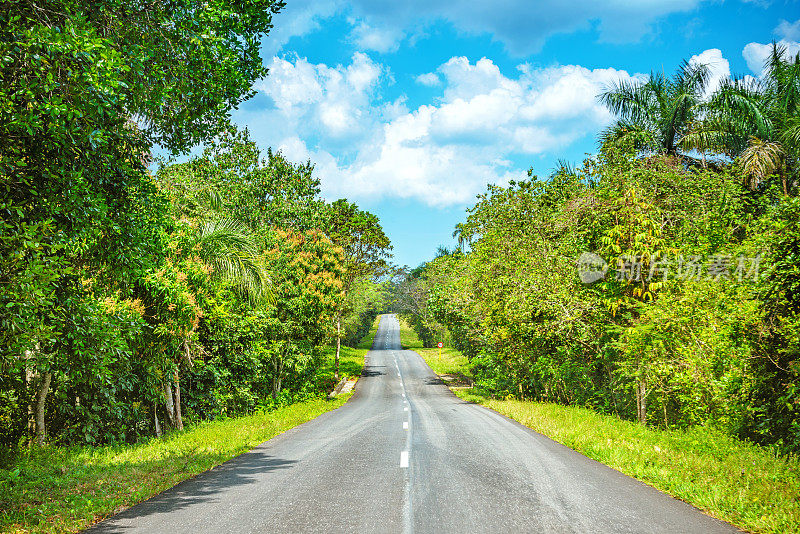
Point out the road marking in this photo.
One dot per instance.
(404, 459)
(405, 425)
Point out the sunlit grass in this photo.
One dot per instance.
(408, 338)
(366, 343)
(445, 361)
(57, 489)
(746, 485)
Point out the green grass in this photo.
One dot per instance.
(446, 361)
(59, 489)
(746, 485)
(366, 343)
(408, 338)
(56, 489)
(351, 362)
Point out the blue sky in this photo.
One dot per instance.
(410, 108)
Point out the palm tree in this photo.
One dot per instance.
(230, 253)
(757, 121)
(655, 115)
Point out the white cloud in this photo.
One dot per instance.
(430, 79)
(718, 66)
(328, 102)
(380, 39)
(789, 31)
(756, 54)
(441, 153)
(362, 73)
(521, 25)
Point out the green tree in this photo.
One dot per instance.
(654, 116)
(308, 270)
(757, 122)
(365, 251)
(87, 90)
(215, 249)
(231, 177)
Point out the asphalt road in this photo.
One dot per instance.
(406, 455)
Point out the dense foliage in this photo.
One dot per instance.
(130, 301)
(693, 318)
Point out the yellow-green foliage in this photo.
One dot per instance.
(448, 361)
(408, 338)
(366, 343)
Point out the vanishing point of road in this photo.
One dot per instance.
(406, 455)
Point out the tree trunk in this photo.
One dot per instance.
(277, 366)
(44, 388)
(178, 416)
(641, 400)
(155, 420)
(29, 376)
(338, 346)
(168, 404)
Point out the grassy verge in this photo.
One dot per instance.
(746, 485)
(446, 361)
(366, 343)
(351, 362)
(56, 489)
(59, 489)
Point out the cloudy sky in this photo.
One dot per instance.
(411, 107)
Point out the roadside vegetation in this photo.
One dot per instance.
(140, 297)
(66, 489)
(678, 360)
(446, 360)
(658, 280)
(157, 318)
(752, 487)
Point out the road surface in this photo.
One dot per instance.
(406, 455)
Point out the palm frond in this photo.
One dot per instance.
(226, 245)
(791, 135)
(708, 136)
(213, 199)
(760, 159)
(692, 78)
(629, 100)
(628, 134)
(740, 102)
